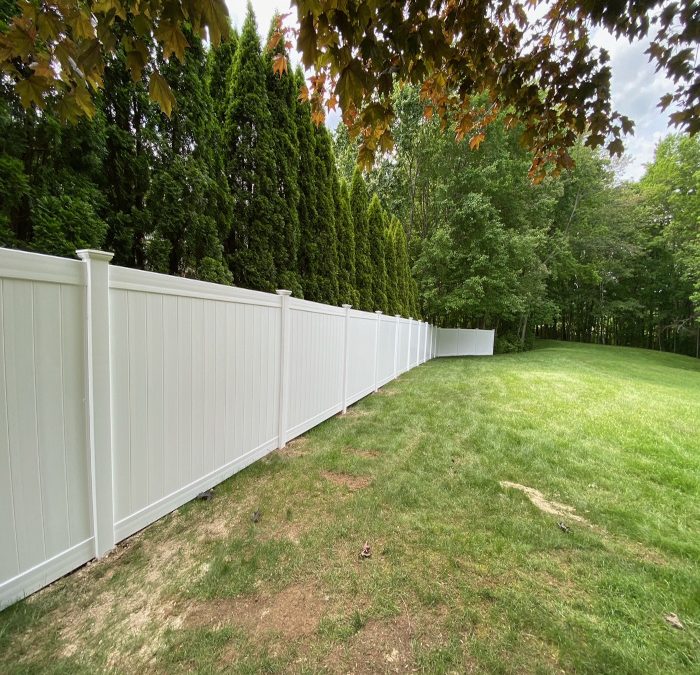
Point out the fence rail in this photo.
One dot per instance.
(123, 394)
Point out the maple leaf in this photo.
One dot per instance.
(318, 117)
(475, 141)
(274, 40)
(160, 92)
(172, 39)
(31, 90)
(279, 64)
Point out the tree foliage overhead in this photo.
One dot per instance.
(532, 59)
(62, 46)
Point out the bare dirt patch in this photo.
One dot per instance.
(380, 647)
(296, 448)
(354, 412)
(544, 504)
(365, 454)
(345, 480)
(294, 612)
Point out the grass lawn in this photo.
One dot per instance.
(465, 575)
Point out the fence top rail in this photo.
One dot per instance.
(124, 278)
(315, 307)
(361, 314)
(38, 267)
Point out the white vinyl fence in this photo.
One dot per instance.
(464, 342)
(124, 394)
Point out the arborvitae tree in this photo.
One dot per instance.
(359, 205)
(219, 64)
(413, 295)
(347, 293)
(392, 281)
(188, 202)
(51, 196)
(282, 93)
(403, 272)
(375, 217)
(251, 166)
(127, 168)
(327, 263)
(308, 248)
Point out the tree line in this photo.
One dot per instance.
(579, 256)
(237, 186)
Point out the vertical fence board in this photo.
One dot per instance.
(9, 558)
(49, 421)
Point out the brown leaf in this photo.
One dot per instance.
(674, 621)
(475, 141)
(279, 64)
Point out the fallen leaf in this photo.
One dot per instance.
(674, 621)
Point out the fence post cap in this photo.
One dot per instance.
(410, 318)
(378, 311)
(282, 291)
(398, 316)
(94, 254)
(346, 306)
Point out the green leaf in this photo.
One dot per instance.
(160, 92)
(349, 88)
(32, 90)
(172, 39)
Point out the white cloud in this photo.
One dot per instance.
(636, 90)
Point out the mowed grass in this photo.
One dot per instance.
(464, 575)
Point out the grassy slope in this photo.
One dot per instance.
(464, 576)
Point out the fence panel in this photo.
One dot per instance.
(45, 525)
(361, 354)
(316, 364)
(387, 345)
(464, 342)
(195, 382)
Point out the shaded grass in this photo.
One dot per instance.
(464, 576)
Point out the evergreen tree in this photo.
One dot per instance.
(127, 167)
(392, 282)
(282, 92)
(188, 202)
(375, 217)
(359, 205)
(403, 272)
(51, 192)
(346, 244)
(306, 207)
(325, 231)
(219, 64)
(250, 168)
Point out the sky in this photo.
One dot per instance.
(636, 88)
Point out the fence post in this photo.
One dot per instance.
(425, 343)
(346, 357)
(418, 344)
(408, 350)
(99, 397)
(378, 314)
(284, 367)
(396, 345)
